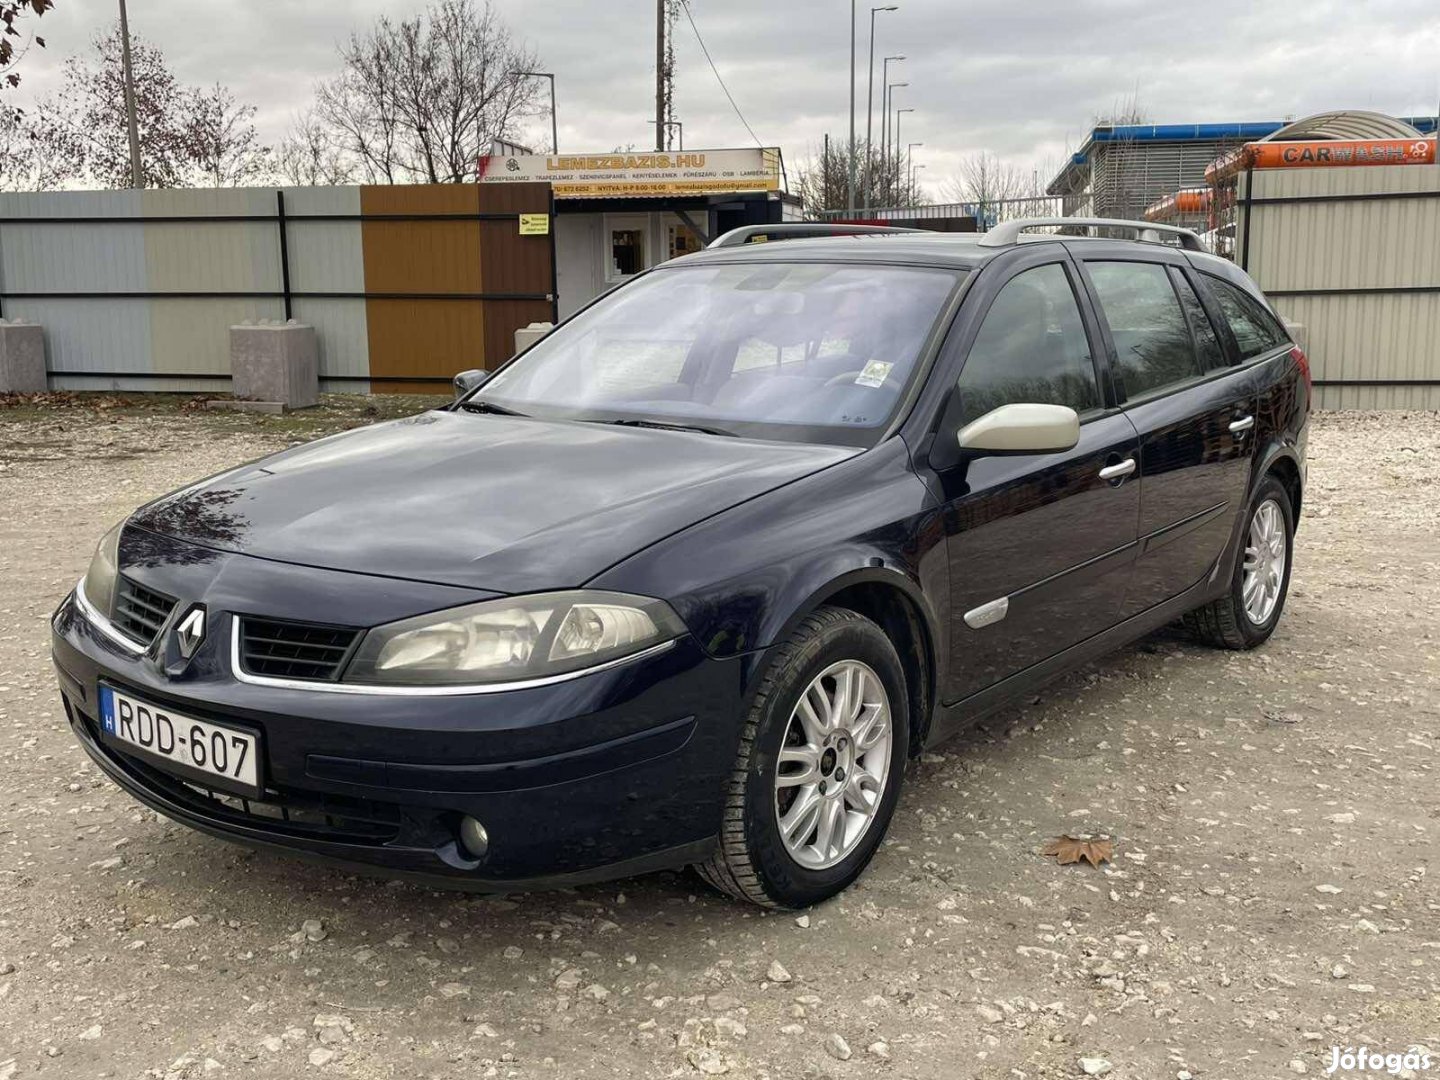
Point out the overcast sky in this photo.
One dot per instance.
(1023, 79)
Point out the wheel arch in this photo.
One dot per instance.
(1283, 462)
(895, 603)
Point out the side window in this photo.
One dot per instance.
(1031, 348)
(1207, 342)
(1153, 345)
(1255, 329)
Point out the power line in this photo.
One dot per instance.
(688, 15)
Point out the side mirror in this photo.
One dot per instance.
(1022, 429)
(469, 380)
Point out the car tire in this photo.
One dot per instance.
(1238, 620)
(754, 861)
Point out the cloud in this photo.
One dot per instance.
(1023, 79)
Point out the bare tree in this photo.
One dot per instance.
(824, 178)
(12, 12)
(89, 115)
(311, 154)
(985, 180)
(30, 160)
(1126, 110)
(187, 136)
(225, 148)
(422, 99)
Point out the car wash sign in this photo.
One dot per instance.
(644, 175)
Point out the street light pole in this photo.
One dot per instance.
(885, 140)
(898, 113)
(137, 177)
(909, 160)
(850, 171)
(885, 104)
(870, 101)
(554, 122)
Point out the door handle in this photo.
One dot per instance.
(1242, 425)
(1115, 472)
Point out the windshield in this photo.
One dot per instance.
(805, 351)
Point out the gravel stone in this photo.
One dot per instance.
(1183, 753)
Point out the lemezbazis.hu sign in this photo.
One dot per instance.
(690, 172)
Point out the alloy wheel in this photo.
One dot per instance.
(834, 764)
(1266, 550)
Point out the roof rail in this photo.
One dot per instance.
(1010, 232)
(799, 230)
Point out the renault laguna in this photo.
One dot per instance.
(692, 579)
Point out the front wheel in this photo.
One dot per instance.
(1250, 610)
(821, 760)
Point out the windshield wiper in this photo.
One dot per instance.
(488, 407)
(666, 426)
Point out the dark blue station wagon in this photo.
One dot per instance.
(691, 580)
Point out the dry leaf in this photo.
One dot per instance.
(1068, 849)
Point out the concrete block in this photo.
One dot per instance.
(22, 358)
(275, 362)
(241, 405)
(528, 335)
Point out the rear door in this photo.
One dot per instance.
(1193, 408)
(1039, 545)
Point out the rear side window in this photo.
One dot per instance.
(1031, 348)
(1255, 329)
(1153, 345)
(1207, 342)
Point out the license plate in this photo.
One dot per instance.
(195, 749)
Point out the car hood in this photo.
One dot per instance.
(507, 504)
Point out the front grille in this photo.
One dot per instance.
(291, 650)
(314, 816)
(140, 612)
(324, 817)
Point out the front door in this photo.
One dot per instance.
(1040, 546)
(1194, 412)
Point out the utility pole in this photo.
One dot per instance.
(661, 97)
(137, 176)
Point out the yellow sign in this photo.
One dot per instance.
(592, 176)
(534, 224)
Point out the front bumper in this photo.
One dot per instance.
(613, 773)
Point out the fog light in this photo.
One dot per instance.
(473, 838)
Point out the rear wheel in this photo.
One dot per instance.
(822, 755)
(1250, 610)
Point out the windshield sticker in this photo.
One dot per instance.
(875, 373)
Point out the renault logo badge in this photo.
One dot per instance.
(191, 632)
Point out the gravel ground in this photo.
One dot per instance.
(1274, 890)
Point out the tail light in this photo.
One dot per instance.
(1303, 362)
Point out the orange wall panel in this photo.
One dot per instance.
(417, 344)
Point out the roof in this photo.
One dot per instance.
(1346, 124)
(958, 251)
(1075, 174)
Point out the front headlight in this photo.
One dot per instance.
(520, 638)
(99, 582)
